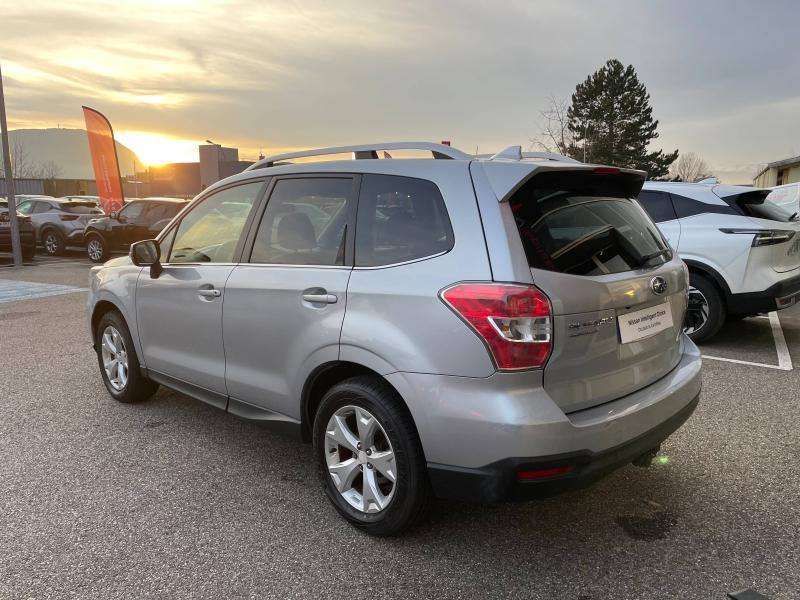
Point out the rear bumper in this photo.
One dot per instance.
(74, 236)
(498, 481)
(27, 239)
(776, 297)
(478, 432)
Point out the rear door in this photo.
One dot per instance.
(180, 312)
(617, 293)
(284, 305)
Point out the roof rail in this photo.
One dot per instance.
(363, 151)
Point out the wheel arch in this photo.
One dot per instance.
(102, 308)
(713, 275)
(323, 378)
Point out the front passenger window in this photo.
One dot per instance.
(210, 231)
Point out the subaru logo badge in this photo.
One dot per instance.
(658, 285)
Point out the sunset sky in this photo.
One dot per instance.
(723, 76)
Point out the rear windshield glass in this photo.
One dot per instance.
(583, 234)
(80, 208)
(755, 204)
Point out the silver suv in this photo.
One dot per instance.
(59, 222)
(473, 329)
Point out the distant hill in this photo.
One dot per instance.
(68, 149)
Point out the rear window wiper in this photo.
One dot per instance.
(648, 257)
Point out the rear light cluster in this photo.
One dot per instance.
(764, 237)
(513, 321)
(65, 217)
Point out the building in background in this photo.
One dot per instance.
(779, 172)
(218, 162)
(176, 180)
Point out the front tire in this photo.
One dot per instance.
(370, 458)
(705, 314)
(96, 248)
(53, 243)
(119, 365)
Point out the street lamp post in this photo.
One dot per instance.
(16, 247)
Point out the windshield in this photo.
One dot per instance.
(587, 235)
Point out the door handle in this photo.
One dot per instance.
(209, 293)
(320, 298)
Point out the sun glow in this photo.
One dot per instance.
(155, 149)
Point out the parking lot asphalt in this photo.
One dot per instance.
(173, 499)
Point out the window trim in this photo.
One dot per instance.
(241, 245)
(350, 238)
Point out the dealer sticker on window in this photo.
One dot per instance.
(640, 324)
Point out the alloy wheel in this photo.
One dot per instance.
(360, 459)
(696, 311)
(115, 358)
(51, 243)
(95, 249)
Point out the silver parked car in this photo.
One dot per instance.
(474, 329)
(59, 222)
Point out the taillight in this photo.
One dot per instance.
(764, 237)
(65, 217)
(513, 320)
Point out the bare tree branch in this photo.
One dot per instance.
(554, 134)
(689, 167)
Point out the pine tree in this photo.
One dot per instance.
(612, 123)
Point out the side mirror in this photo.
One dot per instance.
(114, 215)
(147, 253)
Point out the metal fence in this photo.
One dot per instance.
(24, 186)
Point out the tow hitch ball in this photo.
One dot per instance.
(646, 459)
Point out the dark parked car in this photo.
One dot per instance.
(26, 233)
(137, 220)
(58, 222)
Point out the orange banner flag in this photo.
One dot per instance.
(104, 160)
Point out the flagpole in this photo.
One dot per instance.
(16, 247)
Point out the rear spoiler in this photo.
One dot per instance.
(505, 178)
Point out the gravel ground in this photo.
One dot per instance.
(172, 498)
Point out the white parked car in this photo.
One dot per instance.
(743, 253)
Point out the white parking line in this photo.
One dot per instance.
(784, 358)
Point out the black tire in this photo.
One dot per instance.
(137, 387)
(53, 242)
(412, 493)
(102, 254)
(698, 326)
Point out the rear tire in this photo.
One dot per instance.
(377, 425)
(706, 312)
(96, 248)
(53, 242)
(114, 347)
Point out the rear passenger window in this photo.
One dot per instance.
(658, 205)
(305, 222)
(400, 219)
